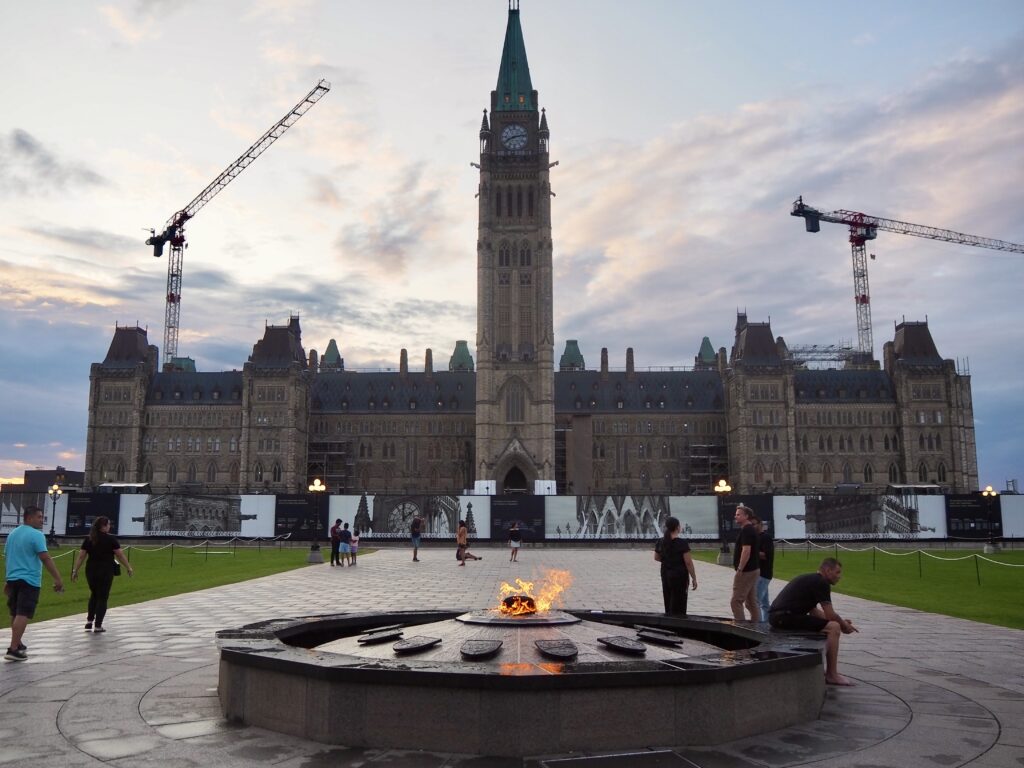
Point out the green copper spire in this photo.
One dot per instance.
(707, 352)
(461, 359)
(514, 91)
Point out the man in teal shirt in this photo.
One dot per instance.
(26, 555)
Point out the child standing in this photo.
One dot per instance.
(354, 546)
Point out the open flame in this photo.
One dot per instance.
(524, 598)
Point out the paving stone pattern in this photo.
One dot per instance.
(931, 690)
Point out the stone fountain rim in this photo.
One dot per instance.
(285, 645)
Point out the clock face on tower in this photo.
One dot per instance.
(513, 136)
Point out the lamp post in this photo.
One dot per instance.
(721, 489)
(989, 497)
(54, 492)
(316, 488)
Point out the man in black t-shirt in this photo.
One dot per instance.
(745, 563)
(796, 607)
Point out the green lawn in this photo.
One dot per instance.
(156, 575)
(936, 581)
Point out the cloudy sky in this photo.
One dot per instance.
(684, 131)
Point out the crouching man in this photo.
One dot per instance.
(797, 608)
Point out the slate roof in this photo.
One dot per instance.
(755, 345)
(128, 348)
(841, 386)
(280, 346)
(214, 388)
(657, 391)
(382, 393)
(913, 344)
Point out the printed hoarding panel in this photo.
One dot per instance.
(1012, 508)
(762, 504)
(604, 516)
(529, 511)
(301, 517)
(390, 516)
(789, 512)
(12, 508)
(84, 508)
(698, 515)
(899, 514)
(166, 515)
(973, 516)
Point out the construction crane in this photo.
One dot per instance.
(174, 229)
(863, 228)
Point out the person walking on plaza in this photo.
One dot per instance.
(462, 552)
(515, 539)
(745, 563)
(417, 525)
(104, 553)
(677, 573)
(346, 545)
(354, 547)
(766, 561)
(796, 608)
(25, 556)
(335, 542)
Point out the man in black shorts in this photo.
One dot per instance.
(796, 607)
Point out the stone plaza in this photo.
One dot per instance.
(931, 690)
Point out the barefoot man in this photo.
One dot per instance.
(796, 607)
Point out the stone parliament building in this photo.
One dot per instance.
(509, 421)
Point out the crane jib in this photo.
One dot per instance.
(174, 229)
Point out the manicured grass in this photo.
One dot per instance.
(936, 581)
(156, 575)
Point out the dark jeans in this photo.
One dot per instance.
(673, 589)
(334, 552)
(99, 593)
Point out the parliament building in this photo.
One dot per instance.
(515, 420)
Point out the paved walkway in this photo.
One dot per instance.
(932, 690)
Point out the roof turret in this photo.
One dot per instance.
(461, 360)
(572, 358)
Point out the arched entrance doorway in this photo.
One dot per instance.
(515, 482)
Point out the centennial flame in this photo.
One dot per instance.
(523, 598)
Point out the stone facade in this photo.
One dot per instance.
(755, 416)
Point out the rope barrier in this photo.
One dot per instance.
(918, 552)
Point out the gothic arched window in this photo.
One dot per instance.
(276, 473)
(119, 472)
(172, 473)
(777, 473)
(869, 473)
(801, 474)
(211, 473)
(515, 402)
(147, 473)
(193, 473)
(257, 473)
(529, 202)
(940, 472)
(504, 255)
(758, 473)
(826, 473)
(847, 473)
(525, 257)
(922, 473)
(497, 202)
(894, 473)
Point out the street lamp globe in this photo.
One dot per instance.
(722, 488)
(54, 492)
(317, 489)
(988, 496)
